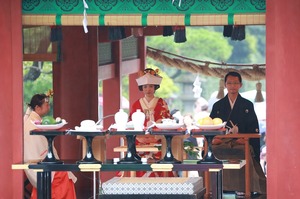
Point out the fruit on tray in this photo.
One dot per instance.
(217, 121)
(206, 121)
(50, 120)
(209, 121)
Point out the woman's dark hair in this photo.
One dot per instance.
(37, 100)
(155, 87)
(234, 74)
(152, 72)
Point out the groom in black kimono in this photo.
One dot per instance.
(237, 111)
(240, 116)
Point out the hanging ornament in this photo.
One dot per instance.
(167, 31)
(180, 34)
(227, 31)
(84, 21)
(179, 4)
(116, 33)
(259, 97)
(238, 33)
(56, 34)
(197, 87)
(221, 89)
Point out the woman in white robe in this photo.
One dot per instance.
(35, 150)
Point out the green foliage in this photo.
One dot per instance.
(40, 85)
(167, 86)
(201, 44)
(206, 44)
(209, 44)
(191, 150)
(125, 86)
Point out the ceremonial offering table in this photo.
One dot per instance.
(245, 137)
(131, 156)
(50, 135)
(129, 163)
(89, 136)
(209, 158)
(44, 172)
(169, 134)
(209, 135)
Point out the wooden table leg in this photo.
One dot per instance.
(217, 184)
(207, 183)
(247, 168)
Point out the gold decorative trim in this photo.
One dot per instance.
(37, 20)
(162, 167)
(165, 20)
(71, 20)
(214, 170)
(151, 20)
(19, 166)
(249, 19)
(89, 167)
(209, 20)
(123, 20)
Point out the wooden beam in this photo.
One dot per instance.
(106, 72)
(130, 67)
(40, 57)
(153, 30)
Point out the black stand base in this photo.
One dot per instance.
(89, 162)
(209, 162)
(174, 161)
(51, 162)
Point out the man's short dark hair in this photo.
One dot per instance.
(234, 74)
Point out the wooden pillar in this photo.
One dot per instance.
(282, 84)
(112, 100)
(11, 100)
(76, 83)
(75, 87)
(133, 87)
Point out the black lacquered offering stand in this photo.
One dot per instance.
(209, 135)
(131, 155)
(44, 173)
(49, 135)
(169, 134)
(89, 136)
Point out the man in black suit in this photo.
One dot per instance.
(237, 111)
(240, 116)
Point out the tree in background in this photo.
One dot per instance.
(37, 75)
(40, 84)
(209, 44)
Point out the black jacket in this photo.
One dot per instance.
(242, 115)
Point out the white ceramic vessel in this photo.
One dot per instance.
(121, 119)
(138, 119)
